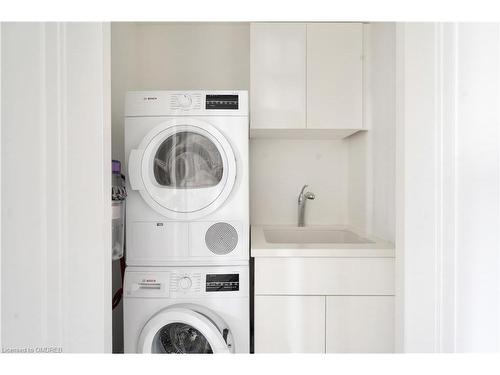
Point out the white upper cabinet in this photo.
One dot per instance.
(335, 76)
(278, 75)
(306, 76)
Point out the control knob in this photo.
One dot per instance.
(185, 283)
(184, 100)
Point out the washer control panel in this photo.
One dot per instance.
(213, 282)
(186, 282)
(229, 282)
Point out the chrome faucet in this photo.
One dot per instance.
(302, 203)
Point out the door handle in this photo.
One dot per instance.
(134, 170)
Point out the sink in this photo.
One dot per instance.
(316, 241)
(305, 235)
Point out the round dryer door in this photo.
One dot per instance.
(181, 331)
(184, 168)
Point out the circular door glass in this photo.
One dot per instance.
(188, 160)
(180, 338)
(187, 169)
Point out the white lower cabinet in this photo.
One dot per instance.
(289, 324)
(318, 305)
(359, 324)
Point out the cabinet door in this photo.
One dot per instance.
(289, 324)
(277, 75)
(360, 324)
(335, 76)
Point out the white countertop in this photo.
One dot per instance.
(373, 248)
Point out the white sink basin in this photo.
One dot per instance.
(316, 242)
(305, 235)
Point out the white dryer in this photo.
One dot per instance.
(186, 310)
(187, 168)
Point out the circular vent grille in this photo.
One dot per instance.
(221, 238)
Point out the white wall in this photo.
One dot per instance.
(56, 217)
(278, 170)
(448, 186)
(419, 179)
(477, 188)
(381, 121)
(372, 154)
(193, 56)
(359, 181)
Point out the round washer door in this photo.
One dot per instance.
(181, 331)
(184, 168)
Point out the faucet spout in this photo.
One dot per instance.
(301, 201)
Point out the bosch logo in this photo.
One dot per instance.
(147, 98)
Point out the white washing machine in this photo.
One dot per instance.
(187, 156)
(186, 310)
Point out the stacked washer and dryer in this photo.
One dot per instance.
(186, 287)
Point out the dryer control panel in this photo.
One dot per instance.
(186, 103)
(221, 102)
